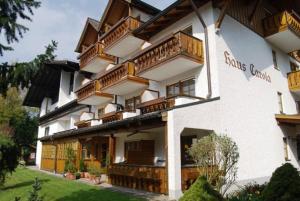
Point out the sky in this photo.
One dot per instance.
(62, 21)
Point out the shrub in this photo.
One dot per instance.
(82, 167)
(69, 163)
(250, 192)
(34, 194)
(284, 185)
(221, 153)
(201, 190)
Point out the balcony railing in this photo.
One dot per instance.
(156, 105)
(281, 22)
(122, 28)
(112, 116)
(83, 124)
(294, 81)
(94, 51)
(179, 43)
(148, 178)
(90, 89)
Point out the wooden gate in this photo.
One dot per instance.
(48, 157)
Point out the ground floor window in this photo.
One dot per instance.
(298, 148)
(186, 143)
(285, 149)
(86, 151)
(139, 152)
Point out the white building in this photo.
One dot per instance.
(151, 81)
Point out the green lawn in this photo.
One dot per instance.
(56, 189)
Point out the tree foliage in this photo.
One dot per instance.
(217, 158)
(201, 190)
(20, 75)
(11, 12)
(284, 185)
(8, 157)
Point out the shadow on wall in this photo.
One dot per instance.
(99, 195)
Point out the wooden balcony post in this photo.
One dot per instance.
(112, 149)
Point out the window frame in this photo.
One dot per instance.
(47, 131)
(275, 60)
(180, 86)
(280, 102)
(285, 149)
(136, 100)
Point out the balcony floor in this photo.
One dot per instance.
(97, 99)
(124, 46)
(170, 68)
(287, 40)
(96, 65)
(127, 85)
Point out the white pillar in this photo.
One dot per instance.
(38, 155)
(174, 159)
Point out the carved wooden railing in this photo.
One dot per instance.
(83, 124)
(90, 89)
(112, 77)
(122, 28)
(179, 43)
(281, 22)
(112, 116)
(156, 105)
(93, 51)
(148, 178)
(294, 81)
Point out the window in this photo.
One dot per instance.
(294, 67)
(186, 87)
(280, 102)
(96, 151)
(139, 152)
(101, 112)
(71, 85)
(186, 143)
(298, 147)
(131, 103)
(285, 148)
(86, 151)
(47, 130)
(188, 30)
(104, 151)
(275, 60)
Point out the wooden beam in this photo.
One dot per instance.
(222, 15)
(112, 149)
(184, 8)
(257, 4)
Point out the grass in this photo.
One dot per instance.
(19, 184)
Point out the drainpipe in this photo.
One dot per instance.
(206, 48)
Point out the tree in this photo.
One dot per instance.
(217, 157)
(21, 75)
(11, 11)
(201, 190)
(284, 185)
(8, 157)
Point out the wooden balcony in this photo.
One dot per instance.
(283, 30)
(119, 40)
(156, 105)
(147, 178)
(121, 80)
(175, 55)
(294, 81)
(90, 94)
(94, 59)
(111, 117)
(83, 124)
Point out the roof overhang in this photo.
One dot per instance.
(141, 122)
(111, 17)
(167, 17)
(47, 81)
(90, 24)
(288, 119)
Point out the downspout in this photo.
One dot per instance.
(209, 93)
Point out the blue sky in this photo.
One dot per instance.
(62, 21)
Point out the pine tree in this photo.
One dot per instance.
(36, 187)
(11, 11)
